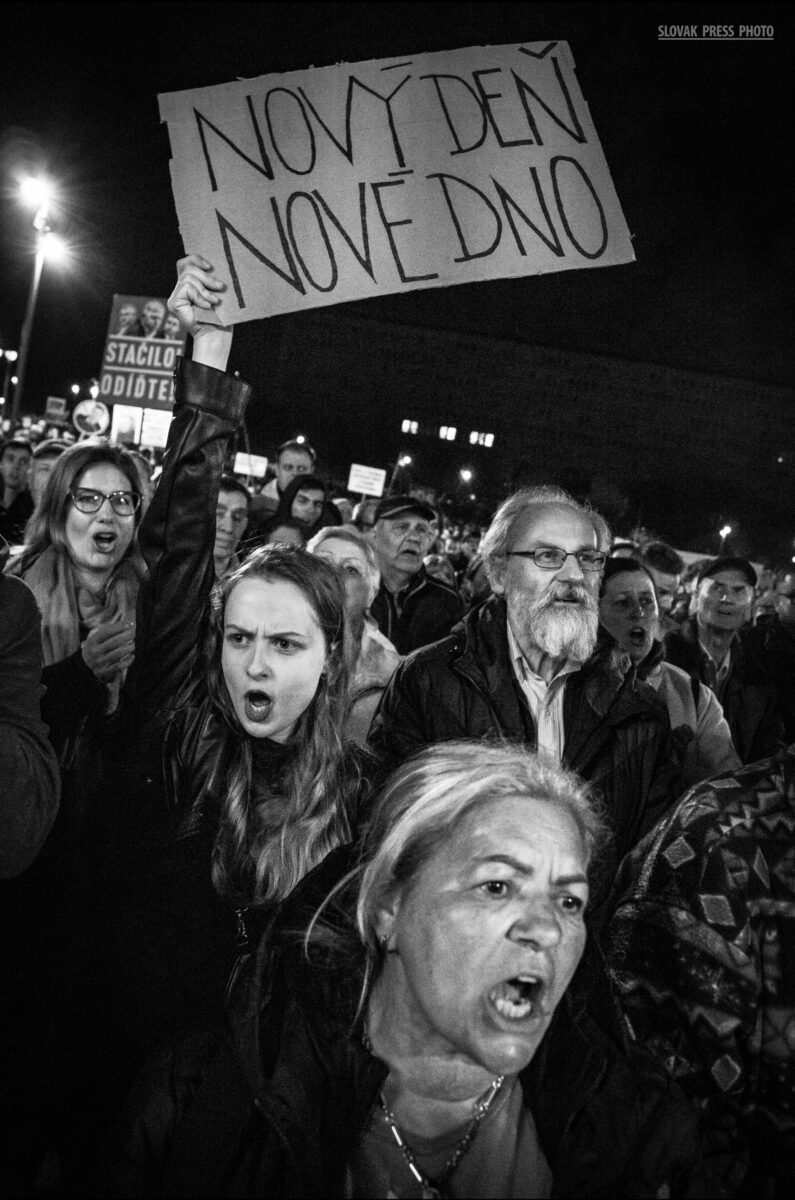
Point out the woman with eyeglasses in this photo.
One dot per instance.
(80, 562)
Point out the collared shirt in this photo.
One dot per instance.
(545, 700)
(714, 675)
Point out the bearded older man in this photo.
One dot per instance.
(525, 666)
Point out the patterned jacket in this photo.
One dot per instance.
(702, 950)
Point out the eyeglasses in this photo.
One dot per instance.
(552, 558)
(741, 592)
(124, 504)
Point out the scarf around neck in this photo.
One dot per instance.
(66, 606)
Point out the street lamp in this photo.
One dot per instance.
(724, 532)
(403, 460)
(466, 475)
(48, 247)
(11, 357)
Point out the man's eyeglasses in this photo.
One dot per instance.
(124, 504)
(552, 558)
(739, 592)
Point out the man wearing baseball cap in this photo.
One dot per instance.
(709, 647)
(411, 607)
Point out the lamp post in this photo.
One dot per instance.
(11, 357)
(403, 460)
(37, 192)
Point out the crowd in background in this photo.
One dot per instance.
(224, 708)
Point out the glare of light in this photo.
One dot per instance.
(53, 247)
(779, 459)
(94, 390)
(11, 355)
(14, 380)
(405, 461)
(725, 531)
(75, 389)
(38, 193)
(300, 439)
(466, 475)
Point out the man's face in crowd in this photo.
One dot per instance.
(231, 518)
(171, 327)
(14, 467)
(38, 474)
(554, 611)
(785, 600)
(401, 542)
(128, 315)
(666, 587)
(290, 464)
(152, 315)
(723, 601)
(307, 506)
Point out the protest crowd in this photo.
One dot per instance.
(352, 851)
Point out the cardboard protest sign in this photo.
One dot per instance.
(126, 424)
(154, 427)
(369, 481)
(254, 465)
(141, 351)
(338, 183)
(55, 409)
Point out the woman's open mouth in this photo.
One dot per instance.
(105, 542)
(257, 705)
(519, 997)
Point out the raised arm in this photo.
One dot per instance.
(178, 532)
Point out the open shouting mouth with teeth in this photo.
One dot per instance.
(519, 997)
(258, 705)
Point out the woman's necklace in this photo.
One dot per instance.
(435, 1189)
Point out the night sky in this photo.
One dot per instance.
(697, 137)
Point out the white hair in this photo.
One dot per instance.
(496, 538)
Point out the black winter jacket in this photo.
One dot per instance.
(749, 697)
(617, 732)
(276, 1106)
(424, 611)
(174, 942)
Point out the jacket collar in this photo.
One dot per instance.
(602, 693)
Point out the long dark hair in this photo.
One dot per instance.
(264, 847)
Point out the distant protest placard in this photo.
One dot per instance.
(339, 183)
(369, 481)
(141, 350)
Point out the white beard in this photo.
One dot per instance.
(560, 631)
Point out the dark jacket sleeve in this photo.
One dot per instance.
(72, 693)
(178, 532)
(400, 727)
(29, 775)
